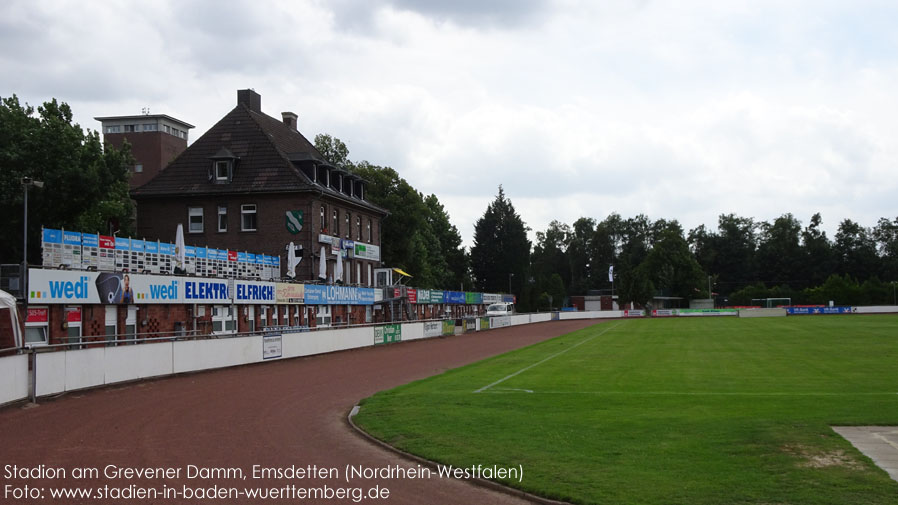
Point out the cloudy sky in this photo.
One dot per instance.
(682, 110)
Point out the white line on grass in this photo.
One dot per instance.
(697, 393)
(503, 379)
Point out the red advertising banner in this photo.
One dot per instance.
(412, 295)
(232, 255)
(107, 242)
(37, 315)
(73, 314)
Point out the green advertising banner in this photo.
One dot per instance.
(436, 296)
(484, 323)
(448, 327)
(473, 298)
(387, 333)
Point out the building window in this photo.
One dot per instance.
(221, 171)
(113, 129)
(358, 228)
(111, 326)
(323, 220)
(37, 325)
(222, 218)
(131, 324)
(223, 319)
(369, 232)
(248, 217)
(149, 127)
(348, 226)
(323, 316)
(138, 168)
(335, 231)
(195, 219)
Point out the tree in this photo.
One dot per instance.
(779, 252)
(671, 267)
(85, 185)
(855, 251)
(818, 252)
(333, 150)
(417, 235)
(501, 250)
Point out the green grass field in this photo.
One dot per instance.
(660, 411)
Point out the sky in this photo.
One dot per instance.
(679, 110)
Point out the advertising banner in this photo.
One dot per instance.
(491, 298)
(819, 310)
(412, 295)
(473, 298)
(366, 251)
(707, 312)
(448, 327)
(508, 298)
(422, 296)
(634, 313)
(456, 297)
(664, 312)
(433, 328)
(436, 296)
(387, 333)
(484, 323)
(66, 286)
(272, 346)
(289, 293)
(500, 321)
(338, 295)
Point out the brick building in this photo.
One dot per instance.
(255, 183)
(155, 141)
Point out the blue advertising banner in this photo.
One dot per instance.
(137, 245)
(200, 252)
(168, 249)
(90, 240)
(151, 247)
(52, 236)
(818, 310)
(122, 244)
(454, 297)
(71, 238)
(338, 295)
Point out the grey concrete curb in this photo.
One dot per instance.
(495, 486)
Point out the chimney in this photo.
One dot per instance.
(250, 99)
(290, 119)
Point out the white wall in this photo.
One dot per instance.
(82, 368)
(595, 314)
(130, 362)
(412, 331)
(193, 355)
(13, 378)
(883, 309)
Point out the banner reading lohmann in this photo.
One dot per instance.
(819, 310)
(338, 295)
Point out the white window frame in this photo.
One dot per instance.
(323, 316)
(246, 210)
(43, 326)
(348, 232)
(223, 320)
(138, 168)
(219, 166)
(222, 213)
(336, 220)
(131, 324)
(111, 323)
(193, 212)
(358, 228)
(369, 232)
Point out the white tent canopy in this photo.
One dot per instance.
(8, 301)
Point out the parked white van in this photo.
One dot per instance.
(500, 309)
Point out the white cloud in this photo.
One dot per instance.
(677, 110)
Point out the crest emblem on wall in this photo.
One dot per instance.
(294, 221)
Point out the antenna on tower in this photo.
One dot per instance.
(145, 111)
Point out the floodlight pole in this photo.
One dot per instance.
(27, 182)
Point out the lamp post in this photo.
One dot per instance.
(510, 275)
(27, 182)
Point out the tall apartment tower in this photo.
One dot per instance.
(156, 139)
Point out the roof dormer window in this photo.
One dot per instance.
(221, 170)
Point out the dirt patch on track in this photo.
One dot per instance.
(291, 412)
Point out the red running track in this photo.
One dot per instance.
(277, 414)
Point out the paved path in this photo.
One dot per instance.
(879, 443)
(291, 412)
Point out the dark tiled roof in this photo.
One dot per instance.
(268, 154)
